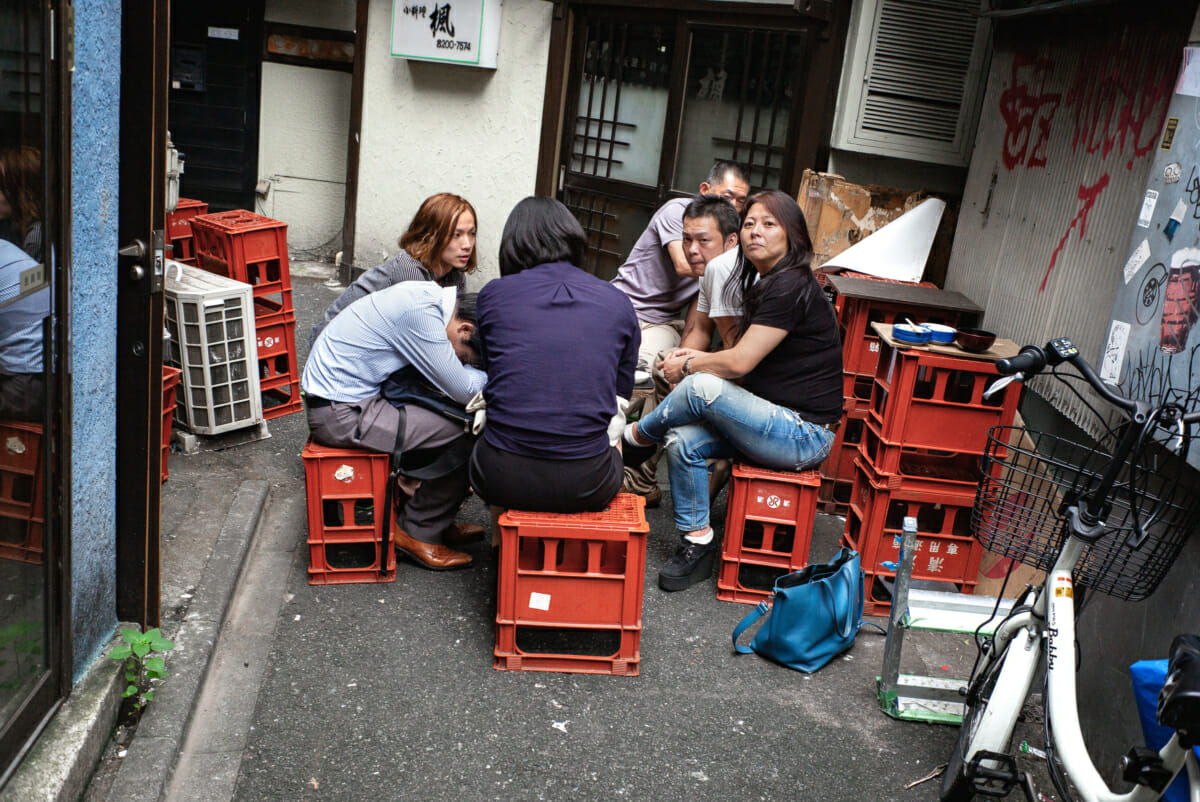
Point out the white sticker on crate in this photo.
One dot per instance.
(539, 601)
(344, 473)
(14, 445)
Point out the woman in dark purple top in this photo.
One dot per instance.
(785, 411)
(559, 347)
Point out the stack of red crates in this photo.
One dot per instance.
(768, 530)
(860, 353)
(250, 248)
(346, 516)
(179, 229)
(170, 385)
(923, 440)
(22, 507)
(569, 590)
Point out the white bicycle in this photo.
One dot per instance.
(1101, 520)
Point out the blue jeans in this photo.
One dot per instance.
(706, 417)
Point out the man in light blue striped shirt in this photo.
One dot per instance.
(418, 324)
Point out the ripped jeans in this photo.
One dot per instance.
(706, 417)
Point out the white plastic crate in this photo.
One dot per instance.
(210, 320)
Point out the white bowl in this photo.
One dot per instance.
(939, 333)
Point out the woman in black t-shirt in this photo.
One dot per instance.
(786, 410)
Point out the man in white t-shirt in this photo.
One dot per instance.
(709, 234)
(657, 276)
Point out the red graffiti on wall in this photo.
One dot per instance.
(1088, 195)
(1116, 101)
(1027, 110)
(1119, 103)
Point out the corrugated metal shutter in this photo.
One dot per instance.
(1070, 119)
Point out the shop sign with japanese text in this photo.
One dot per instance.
(459, 31)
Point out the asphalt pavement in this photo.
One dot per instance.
(388, 691)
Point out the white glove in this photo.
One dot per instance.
(477, 405)
(616, 426)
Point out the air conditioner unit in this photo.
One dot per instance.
(913, 80)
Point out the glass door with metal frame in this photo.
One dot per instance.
(653, 98)
(30, 663)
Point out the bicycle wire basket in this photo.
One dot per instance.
(1029, 479)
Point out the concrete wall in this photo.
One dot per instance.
(302, 153)
(94, 164)
(305, 120)
(431, 128)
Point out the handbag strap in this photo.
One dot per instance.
(841, 619)
(758, 612)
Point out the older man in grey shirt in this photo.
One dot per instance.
(417, 324)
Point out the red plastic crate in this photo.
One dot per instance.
(171, 377)
(927, 400)
(768, 530)
(833, 496)
(179, 222)
(839, 465)
(22, 515)
(345, 489)
(569, 590)
(946, 549)
(860, 345)
(183, 250)
(246, 247)
(278, 377)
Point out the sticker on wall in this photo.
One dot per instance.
(1148, 204)
(1179, 301)
(1189, 73)
(1114, 352)
(1176, 219)
(1172, 173)
(1169, 133)
(1136, 259)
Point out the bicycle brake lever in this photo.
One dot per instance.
(1176, 441)
(1001, 383)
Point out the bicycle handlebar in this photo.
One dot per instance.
(1033, 359)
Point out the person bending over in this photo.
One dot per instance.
(559, 346)
(412, 324)
(786, 411)
(439, 245)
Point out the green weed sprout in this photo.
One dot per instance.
(140, 666)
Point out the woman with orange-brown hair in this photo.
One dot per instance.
(439, 245)
(20, 199)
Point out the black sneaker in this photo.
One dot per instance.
(690, 564)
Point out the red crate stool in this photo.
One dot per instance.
(946, 549)
(179, 229)
(923, 399)
(250, 248)
(768, 530)
(569, 592)
(22, 515)
(171, 378)
(348, 537)
(279, 379)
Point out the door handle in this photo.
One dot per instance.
(136, 249)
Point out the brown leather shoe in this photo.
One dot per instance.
(433, 556)
(463, 533)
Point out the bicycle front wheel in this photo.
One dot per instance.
(956, 785)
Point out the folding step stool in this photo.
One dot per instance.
(910, 697)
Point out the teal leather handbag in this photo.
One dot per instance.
(814, 614)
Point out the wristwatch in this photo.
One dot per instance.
(686, 370)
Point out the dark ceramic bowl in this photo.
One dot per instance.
(974, 340)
